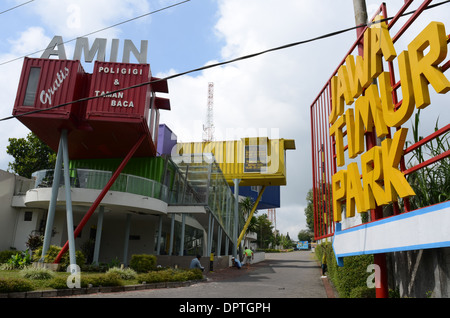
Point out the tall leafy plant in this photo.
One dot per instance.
(431, 183)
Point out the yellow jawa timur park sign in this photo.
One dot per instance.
(382, 181)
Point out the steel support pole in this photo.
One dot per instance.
(52, 205)
(236, 216)
(69, 214)
(172, 229)
(183, 225)
(126, 239)
(101, 195)
(211, 236)
(98, 235)
(158, 241)
(228, 224)
(219, 240)
(208, 235)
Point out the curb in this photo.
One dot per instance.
(328, 288)
(94, 290)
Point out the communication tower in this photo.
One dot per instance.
(208, 129)
(272, 215)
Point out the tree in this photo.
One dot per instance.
(309, 211)
(305, 235)
(264, 229)
(30, 155)
(245, 206)
(285, 241)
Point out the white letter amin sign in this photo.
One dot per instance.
(56, 48)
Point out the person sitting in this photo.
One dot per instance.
(195, 263)
(236, 263)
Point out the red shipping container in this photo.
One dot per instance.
(123, 106)
(118, 119)
(101, 127)
(44, 84)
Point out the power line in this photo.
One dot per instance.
(242, 58)
(103, 29)
(17, 6)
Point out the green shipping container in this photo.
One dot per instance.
(146, 167)
(95, 173)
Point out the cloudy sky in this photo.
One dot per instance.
(267, 95)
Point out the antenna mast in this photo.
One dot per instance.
(208, 129)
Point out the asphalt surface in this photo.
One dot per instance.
(280, 275)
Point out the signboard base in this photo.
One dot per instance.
(420, 229)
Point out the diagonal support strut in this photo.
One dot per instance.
(250, 215)
(101, 196)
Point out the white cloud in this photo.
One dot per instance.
(75, 18)
(29, 41)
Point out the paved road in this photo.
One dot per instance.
(281, 275)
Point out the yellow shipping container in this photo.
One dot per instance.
(255, 161)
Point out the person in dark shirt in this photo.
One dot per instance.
(195, 263)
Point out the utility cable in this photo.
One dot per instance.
(100, 30)
(17, 6)
(242, 58)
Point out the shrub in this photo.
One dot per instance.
(49, 257)
(34, 242)
(170, 275)
(19, 260)
(102, 268)
(124, 273)
(53, 252)
(194, 274)
(6, 255)
(37, 273)
(354, 273)
(362, 292)
(58, 282)
(11, 285)
(143, 262)
(96, 280)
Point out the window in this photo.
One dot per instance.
(28, 216)
(256, 189)
(32, 85)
